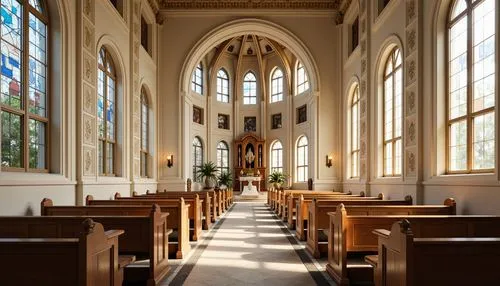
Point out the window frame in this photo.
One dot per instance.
(106, 141)
(220, 95)
(223, 151)
(393, 141)
(280, 82)
(23, 112)
(354, 150)
(470, 114)
(252, 83)
(302, 68)
(279, 152)
(144, 172)
(194, 83)
(305, 167)
(195, 149)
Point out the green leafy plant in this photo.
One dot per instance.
(208, 171)
(226, 179)
(277, 178)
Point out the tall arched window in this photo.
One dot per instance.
(302, 159)
(24, 97)
(197, 157)
(277, 157)
(302, 79)
(223, 157)
(249, 89)
(222, 86)
(393, 113)
(106, 112)
(144, 133)
(471, 89)
(197, 80)
(277, 86)
(355, 133)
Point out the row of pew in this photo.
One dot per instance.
(123, 241)
(376, 241)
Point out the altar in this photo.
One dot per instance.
(249, 162)
(249, 191)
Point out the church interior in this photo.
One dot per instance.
(249, 142)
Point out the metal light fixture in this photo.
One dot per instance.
(170, 160)
(329, 160)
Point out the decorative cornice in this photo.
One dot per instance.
(249, 4)
(344, 5)
(155, 5)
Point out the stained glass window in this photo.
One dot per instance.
(197, 157)
(249, 89)
(106, 112)
(223, 157)
(471, 87)
(222, 86)
(355, 133)
(197, 81)
(23, 101)
(144, 133)
(277, 86)
(277, 157)
(393, 113)
(302, 79)
(302, 159)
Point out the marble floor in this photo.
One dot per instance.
(248, 246)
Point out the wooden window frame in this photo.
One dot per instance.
(470, 115)
(24, 113)
(105, 141)
(393, 140)
(274, 93)
(355, 151)
(144, 152)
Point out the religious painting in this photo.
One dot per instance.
(302, 114)
(197, 115)
(250, 124)
(276, 121)
(223, 121)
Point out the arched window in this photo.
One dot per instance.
(24, 97)
(277, 157)
(144, 133)
(355, 133)
(197, 157)
(470, 106)
(249, 89)
(197, 80)
(277, 86)
(223, 157)
(393, 113)
(302, 79)
(302, 159)
(106, 112)
(222, 86)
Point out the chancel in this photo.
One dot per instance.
(242, 142)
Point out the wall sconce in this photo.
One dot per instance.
(329, 160)
(170, 161)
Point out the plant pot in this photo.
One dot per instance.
(209, 183)
(276, 185)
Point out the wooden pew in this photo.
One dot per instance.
(350, 232)
(177, 220)
(282, 201)
(293, 199)
(207, 197)
(194, 202)
(462, 256)
(303, 206)
(88, 260)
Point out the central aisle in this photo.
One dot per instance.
(248, 248)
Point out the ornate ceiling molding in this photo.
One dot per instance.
(250, 4)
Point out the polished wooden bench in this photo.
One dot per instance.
(177, 219)
(89, 259)
(464, 252)
(350, 235)
(283, 199)
(293, 204)
(207, 197)
(194, 202)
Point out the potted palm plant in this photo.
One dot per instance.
(225, 179)
(208, 171)
(277, 179)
